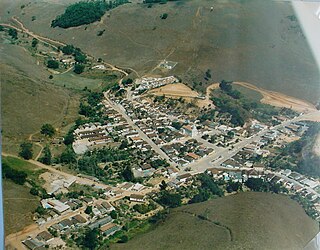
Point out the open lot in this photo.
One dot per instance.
(237, 41)
(243, 221)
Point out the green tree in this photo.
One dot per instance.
(53, 64)
(124, 238)
(47, 156)
(170, 199)
(34, 42)
(26, 151)
(127, 174)
(90, 239)
(68, 156)
(68, 49)
(48, 130)
(34, 191)
(163, 185)
(78, 68)
(88, 210)
(13, 33)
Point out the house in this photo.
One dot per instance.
(66, 223)
(193, 155)
(32, 244)
(184, 177)
(107, 206)
(100, 222)
(45, 236)
(136, 198)
(109, 229)
(79, 219)
(56, 205)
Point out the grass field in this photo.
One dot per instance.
(28, 100)
(18, 206)
(237, 41)
(243, 221)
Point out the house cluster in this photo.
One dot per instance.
(187, 152)
(146, 83)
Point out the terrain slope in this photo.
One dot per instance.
(244, 221)
(238, 40)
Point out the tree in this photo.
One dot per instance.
(26, 151)
(78, 68)
(233, 186)
(255, 184)
(164, 16)
(34, 42)
(88, 210)
(13, 33)
(113, 214)
(68, 49)
(203, 195)
(68, 156)
(124, 238)
(69, 138)
(127, 174)
(90, 239)
(48, 130)
(163, 185)
(18, 177)
(53, 64)
(34, 191)
(225, 86)
(170, 199)
(47, 156)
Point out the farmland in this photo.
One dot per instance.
(242, 221)
(237, 41)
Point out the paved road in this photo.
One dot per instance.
(120, 109)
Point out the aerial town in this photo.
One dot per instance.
(175, 149)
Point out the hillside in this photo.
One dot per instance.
(237, 41)
(27, 100)
(243, 221)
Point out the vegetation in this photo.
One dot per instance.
(78, 68)
(13, 33)
(34, 42)
(298, 155)
(143, 209)
(53, 64)
(83, 12)
(26, 151)
(47, 156)
(48, 130)
(18, 177)
(170, 199)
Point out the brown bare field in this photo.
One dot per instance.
(180, 90)
(175, 90)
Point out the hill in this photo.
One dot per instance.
(237, 40)
(27, 99)
(244, 221)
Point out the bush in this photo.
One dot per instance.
(164, 16)
(47, 129)
(26, 151)
(53, 64)
(78, 68)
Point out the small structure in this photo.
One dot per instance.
(136, 197)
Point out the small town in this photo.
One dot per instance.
(174, 153)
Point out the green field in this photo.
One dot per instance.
(18, 206)
(238, 41)
(243, 221)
